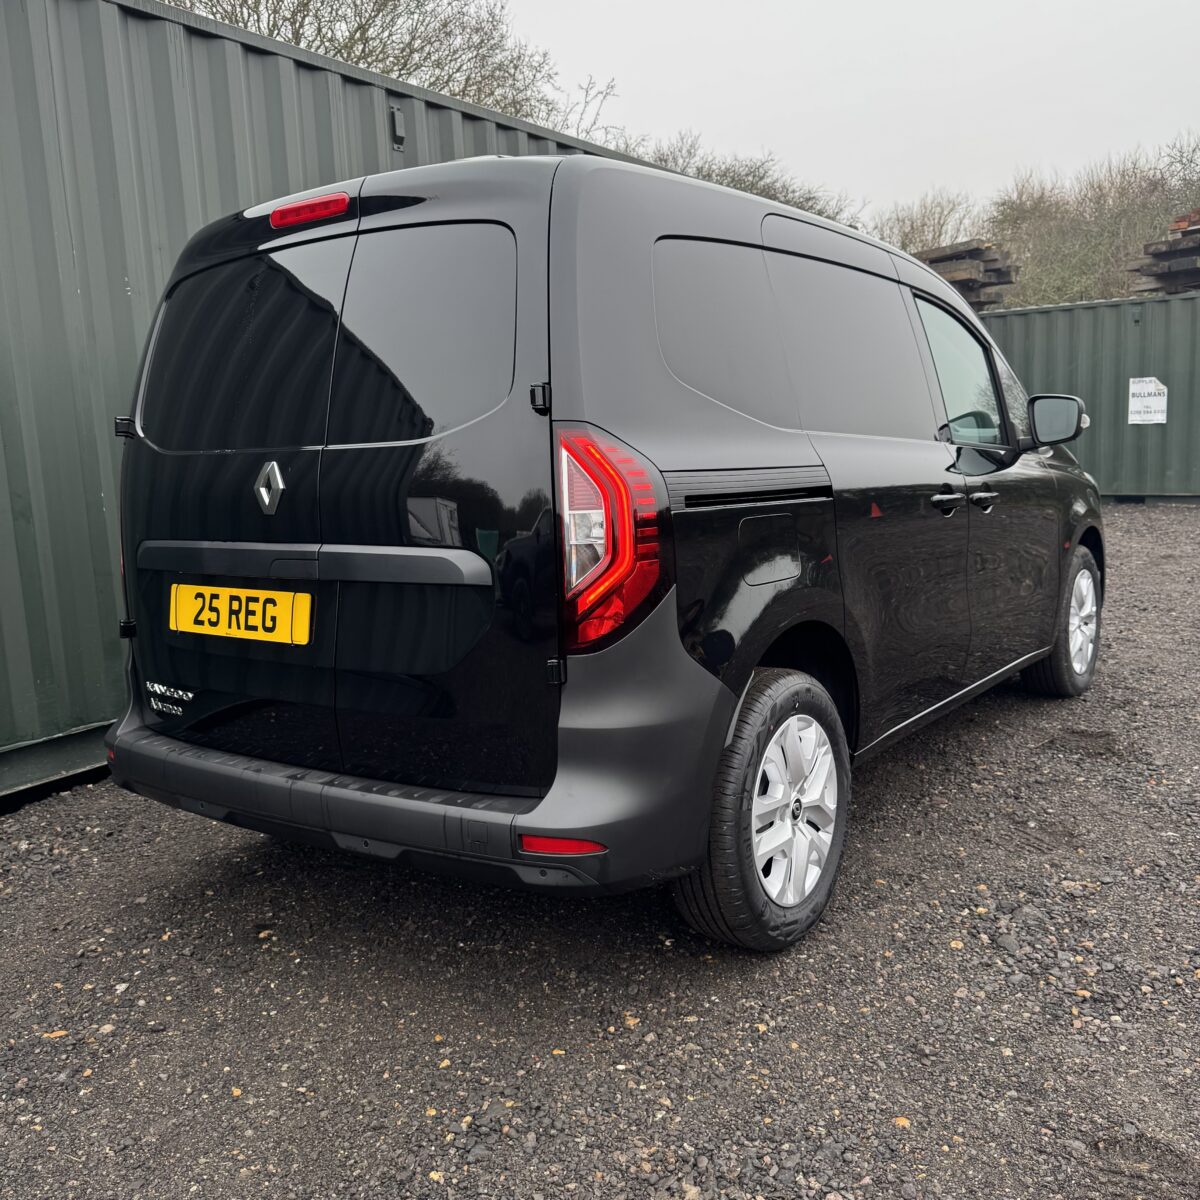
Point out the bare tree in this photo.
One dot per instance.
(465, 48)
(938, 218)
(1075, 238)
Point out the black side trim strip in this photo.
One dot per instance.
(751, 485)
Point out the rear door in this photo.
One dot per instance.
(435, 464)
(220, 507)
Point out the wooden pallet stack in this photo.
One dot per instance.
(1173, 264)
(978, 270)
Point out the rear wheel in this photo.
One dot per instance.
(1068, 669)
(778, 823)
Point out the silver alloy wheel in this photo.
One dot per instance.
(1081, 622)
(795, 803)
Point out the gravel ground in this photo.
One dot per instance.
(1003, 999)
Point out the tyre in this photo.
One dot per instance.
(778, 823)
(1070, 665)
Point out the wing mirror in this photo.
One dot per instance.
(1056, 419)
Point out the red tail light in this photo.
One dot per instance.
(614, 514)
(302, 212)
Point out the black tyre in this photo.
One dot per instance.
(1071, 664)
(778, 823)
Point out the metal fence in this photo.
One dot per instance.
(1094, 350)
(124, 126)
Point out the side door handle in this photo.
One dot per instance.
(984, 500)
(948, 502)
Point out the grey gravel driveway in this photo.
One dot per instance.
(1003, 1000)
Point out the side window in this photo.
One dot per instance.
(1016, 399)
(717, 328)
(851, 350)
(972, 408)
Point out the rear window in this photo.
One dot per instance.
(717, 327)
(244, 352)
(428, 332)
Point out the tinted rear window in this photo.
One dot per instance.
(244, 352)
(717, 327)
(428, 332)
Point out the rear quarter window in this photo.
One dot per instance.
(244, 352)
(717, 328)
(428, 332)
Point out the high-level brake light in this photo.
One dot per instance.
(302, 212)
(613, 511)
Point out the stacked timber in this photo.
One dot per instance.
(1173, 264)
(978, 270)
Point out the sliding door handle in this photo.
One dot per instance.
(948, 502)
(984, 500)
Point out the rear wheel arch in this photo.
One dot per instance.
(819, 650)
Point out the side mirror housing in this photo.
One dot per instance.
(1056, 419)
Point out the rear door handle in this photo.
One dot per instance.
(948, 502)
(984, 500)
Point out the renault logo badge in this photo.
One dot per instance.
(268, 487)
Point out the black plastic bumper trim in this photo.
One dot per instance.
(370, 817)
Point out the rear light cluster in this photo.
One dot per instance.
(303, 212)
(616, 557)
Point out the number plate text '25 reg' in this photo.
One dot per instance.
(284, 617)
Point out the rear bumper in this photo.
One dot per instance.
(641, 727)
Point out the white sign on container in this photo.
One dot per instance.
(1147, 401)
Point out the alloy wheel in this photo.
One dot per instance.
(795, 804)
(1081, 622)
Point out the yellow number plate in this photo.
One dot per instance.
(241, 613)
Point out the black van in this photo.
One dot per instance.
(575, 524)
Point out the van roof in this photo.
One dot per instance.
(740, 214)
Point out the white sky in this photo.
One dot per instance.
(885, 99)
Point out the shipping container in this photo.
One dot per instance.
(125, 125)
(1101, 351)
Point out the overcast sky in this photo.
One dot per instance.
(885, 99)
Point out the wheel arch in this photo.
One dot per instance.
(1093, 539)
(819, 650)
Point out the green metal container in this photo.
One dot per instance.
(1093, 351)
(126, 125)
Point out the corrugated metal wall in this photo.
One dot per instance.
(1092, 351)
(124, 126)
